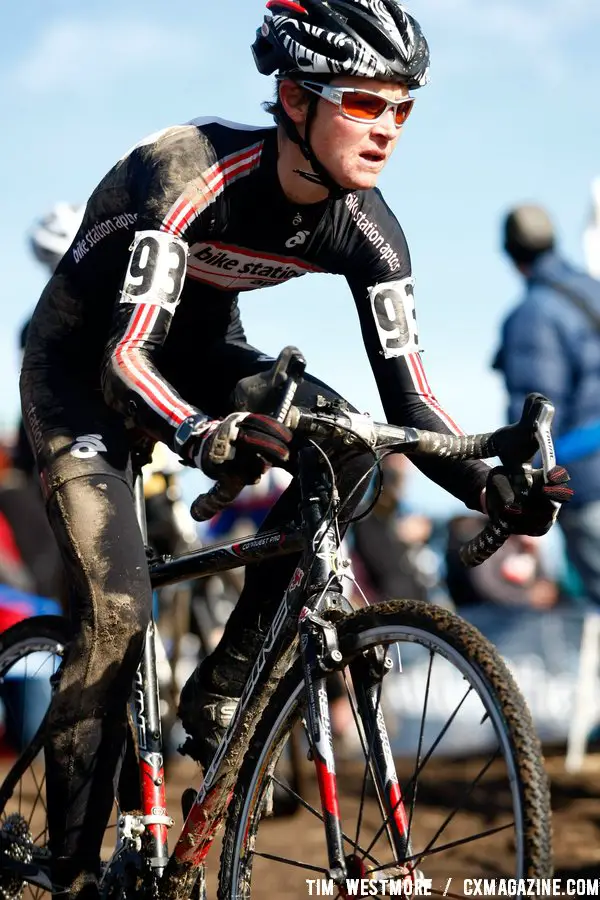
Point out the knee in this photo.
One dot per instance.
(120, 624)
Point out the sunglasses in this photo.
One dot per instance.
(361, 106)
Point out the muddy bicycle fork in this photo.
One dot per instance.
(321, 656)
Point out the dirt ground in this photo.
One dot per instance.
(575, 803)
(576, 822)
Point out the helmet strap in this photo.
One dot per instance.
(319, 175)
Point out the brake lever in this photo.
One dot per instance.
(296, 367)
(543, 434)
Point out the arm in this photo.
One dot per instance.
(387, 318)
(378, 269)
(148, 299)
(169, 197)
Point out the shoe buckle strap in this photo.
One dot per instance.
(221, 712)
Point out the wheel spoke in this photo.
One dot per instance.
(416, 857)
(319, 816)
(456, 809)
(291, 862)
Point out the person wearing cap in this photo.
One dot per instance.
(551, 343)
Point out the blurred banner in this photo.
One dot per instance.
(540, 649)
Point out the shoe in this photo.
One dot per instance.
(205, 716)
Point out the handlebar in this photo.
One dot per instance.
(515, 445)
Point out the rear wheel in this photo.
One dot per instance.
(30, 653)
(486, 813)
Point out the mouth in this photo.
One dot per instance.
(373, 157)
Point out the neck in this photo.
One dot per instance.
(294, 186)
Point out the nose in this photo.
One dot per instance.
(386, 125)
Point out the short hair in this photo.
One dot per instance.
(275, 108)
(528, 232)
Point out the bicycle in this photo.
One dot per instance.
(314, 633)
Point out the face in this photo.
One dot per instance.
(355, 153)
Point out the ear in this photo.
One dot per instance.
(294, 100)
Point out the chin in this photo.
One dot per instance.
(362, 182)
(366, 182)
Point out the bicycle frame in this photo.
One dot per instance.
(314, 588)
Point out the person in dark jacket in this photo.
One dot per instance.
(551, 343)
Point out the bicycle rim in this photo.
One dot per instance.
(485, 814)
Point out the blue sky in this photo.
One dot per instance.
(511, 114)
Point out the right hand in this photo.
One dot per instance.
(242, 444)
(529, 511)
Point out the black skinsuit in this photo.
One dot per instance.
(141, 313)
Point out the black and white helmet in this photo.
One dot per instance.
(368, 38)
(52, 235)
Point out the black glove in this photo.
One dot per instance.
(242, 444)
(526, 509)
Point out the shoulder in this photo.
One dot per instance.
(373, 232)
(164, 141)
(224, 131)
(200, 140)
(230, 138)
(370, 204)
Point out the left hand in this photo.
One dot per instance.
(241, 444)
(531, 511)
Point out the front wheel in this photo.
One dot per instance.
(468, 761)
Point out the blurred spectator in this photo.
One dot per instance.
(551, 343)
(13, 571)
(513, 576)
(26, 538)
(387, 543)
(29, 554)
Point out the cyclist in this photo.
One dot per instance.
(139, 331)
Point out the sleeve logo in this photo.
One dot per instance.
(393, 307)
